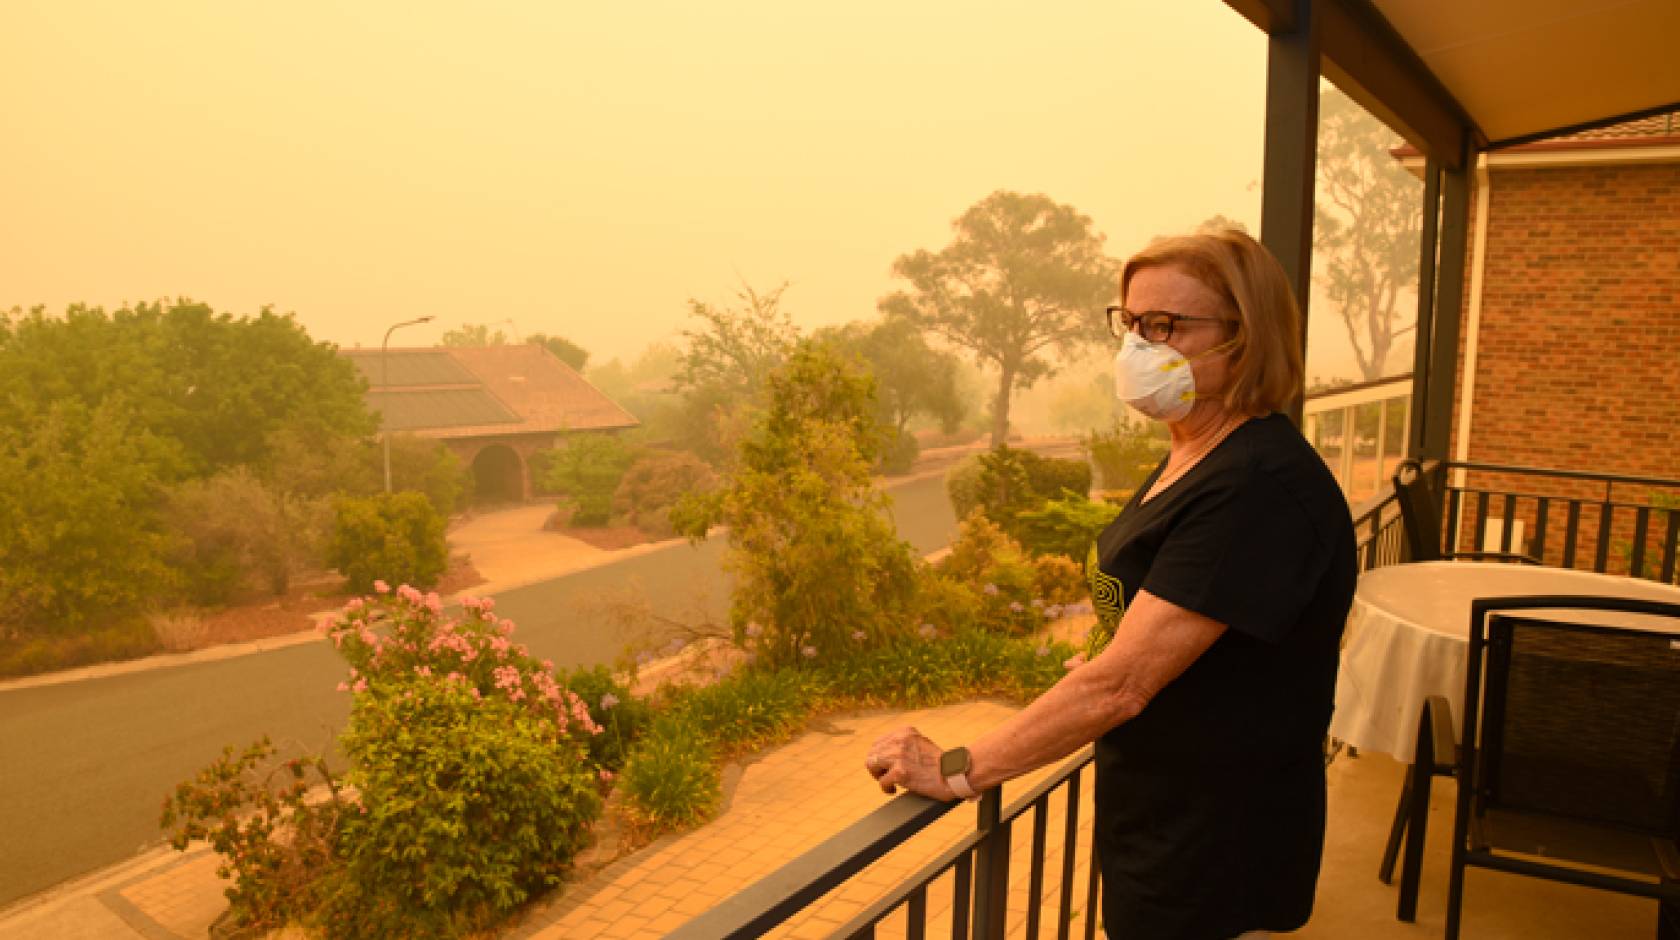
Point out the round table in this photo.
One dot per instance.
(1408, 635)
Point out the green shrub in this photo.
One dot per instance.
(129, 638)
(394, 537)
(240, 804)
(1060, 580)
(654, 484)
(472, 766)
(899, 454)
(621, 716)
(671, 779)
(811, 546)
(1005, 482)
(750, 709)
(1052, 477)
(469, 805)
(962, 485)
(81, 540)
(990, 563)
(235, 534)
(945, 601)
(586, 471)
(1067, 526)
(1126, 454)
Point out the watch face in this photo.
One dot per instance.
(953, 762)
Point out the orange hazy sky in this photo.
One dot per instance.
(583, 170)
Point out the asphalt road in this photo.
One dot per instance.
(84, 766)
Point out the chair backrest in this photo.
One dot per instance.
(1420, 511)
(1582, 722)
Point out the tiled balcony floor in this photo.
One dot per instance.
(1497, 906)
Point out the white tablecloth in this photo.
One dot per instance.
(1408, 634)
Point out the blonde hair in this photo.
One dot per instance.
(1266, 367)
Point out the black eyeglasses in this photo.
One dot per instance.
(1156, 326)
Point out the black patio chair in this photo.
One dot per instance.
(1436, 755)
(1569, 752)
(1420, 516)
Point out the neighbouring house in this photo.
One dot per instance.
(1569, 357)
(493, 406)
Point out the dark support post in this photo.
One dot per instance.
(991, 868)
(1427, 250)
(1449, 311)
(1286, 202)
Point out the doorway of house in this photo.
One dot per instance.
(498, 475)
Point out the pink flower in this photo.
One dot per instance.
(809, 652)
(927, 631)
(608, 701)
(381, 587)
(344, 687)
(607, 775)
(858, 635)
(424, 671)
(434, 603)
(360, 686)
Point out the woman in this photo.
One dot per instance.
(1227, 579)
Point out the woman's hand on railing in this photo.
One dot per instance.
(909, 759)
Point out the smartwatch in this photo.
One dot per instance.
(954, 766)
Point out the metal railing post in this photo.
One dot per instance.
(991, 868)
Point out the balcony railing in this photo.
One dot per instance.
(978, 866)
(1608, 523)
(1601, 522)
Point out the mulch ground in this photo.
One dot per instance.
(609, 538)
(280, 616)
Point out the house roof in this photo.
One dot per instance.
(462, 391)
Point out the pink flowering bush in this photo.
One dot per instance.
(472, 765)
(470, 787)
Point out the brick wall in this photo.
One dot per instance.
(1579, 365)
(1579, 359)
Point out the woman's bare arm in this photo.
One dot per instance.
(1153, 644)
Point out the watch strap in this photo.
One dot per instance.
(959, 785)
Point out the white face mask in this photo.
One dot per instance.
(1155, 379)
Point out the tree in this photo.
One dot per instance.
(737, 347)
(1367, 228)
(211, 387)
(473, 334)
(911, 379)
(81, 540)
(1023, 274)
(814, 553)
(727, 364)
(563, 349)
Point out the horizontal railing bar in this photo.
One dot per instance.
(1073, 765)
(1478, 491)
(1565, 474)
(790, 888)
(921, 878)
(890, 900)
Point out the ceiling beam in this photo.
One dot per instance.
(1271, 16)
(1367, 58)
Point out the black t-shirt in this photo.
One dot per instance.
(1210, 804)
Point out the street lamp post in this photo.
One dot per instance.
(385, 385)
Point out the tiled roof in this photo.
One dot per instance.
(459, 391)
(1661, 125)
